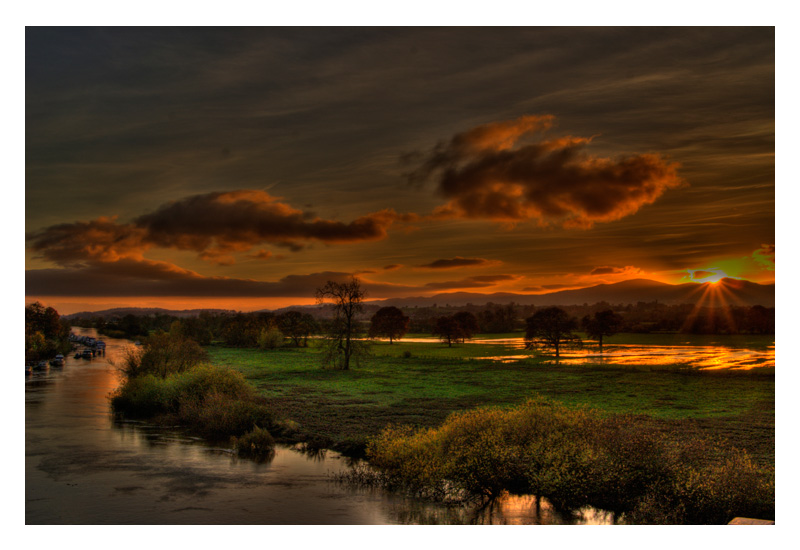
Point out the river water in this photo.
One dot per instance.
(83, 467)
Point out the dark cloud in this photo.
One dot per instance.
(457, 262)
(392, 267)
(128, 277)
(237, 220)
(215, 225)
(552, 181)
(262, 255)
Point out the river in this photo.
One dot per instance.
(83, 467)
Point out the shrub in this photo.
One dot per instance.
(270, 338)
(206, 380)
(211, 401)
(255, 443)
(143, 397)
(219, 416)
(574, 458)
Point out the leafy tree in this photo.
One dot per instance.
(447, 329)
(242, 330)
(551, 327)
(45, 333)
(498, 318)
(603, 323)
(297, 326)
(161, 355)
(341, 346)
(467, 324)
(270, 337)
(455, 328)
(43, 319)
(192, 328)
(390, 323)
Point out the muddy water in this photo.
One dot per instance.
(82, 467)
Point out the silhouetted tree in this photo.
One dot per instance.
(467, 323)
(456, 328)
(447, 329)
(551, 327)
(297, 326)
(341, 345)
(389, 322)
(602, 323)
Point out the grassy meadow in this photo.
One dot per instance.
(421, 383)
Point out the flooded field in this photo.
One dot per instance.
(736, 355)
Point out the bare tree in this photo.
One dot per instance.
(342, 346)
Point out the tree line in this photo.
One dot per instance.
(451, 324)
(46, 334)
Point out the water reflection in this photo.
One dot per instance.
(508, 510)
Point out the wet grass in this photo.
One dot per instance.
(345, 408)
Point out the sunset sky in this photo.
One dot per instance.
(243, 168)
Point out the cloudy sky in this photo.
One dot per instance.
(243, 168)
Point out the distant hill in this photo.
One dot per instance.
(725, 292)
(142, 311)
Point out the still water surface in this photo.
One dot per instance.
(82, 467)
(714, 356)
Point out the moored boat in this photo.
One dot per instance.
(57, 361)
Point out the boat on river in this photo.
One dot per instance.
(87, 354)
(57, 361)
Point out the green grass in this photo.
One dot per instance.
(347, 407)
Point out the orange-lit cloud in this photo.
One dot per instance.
(611, 270)
(701, 274)
(479, 281)
(548, 288)
(458, 261)
(99, 240)
(765, 256)
(215, 225)
(551, 181)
